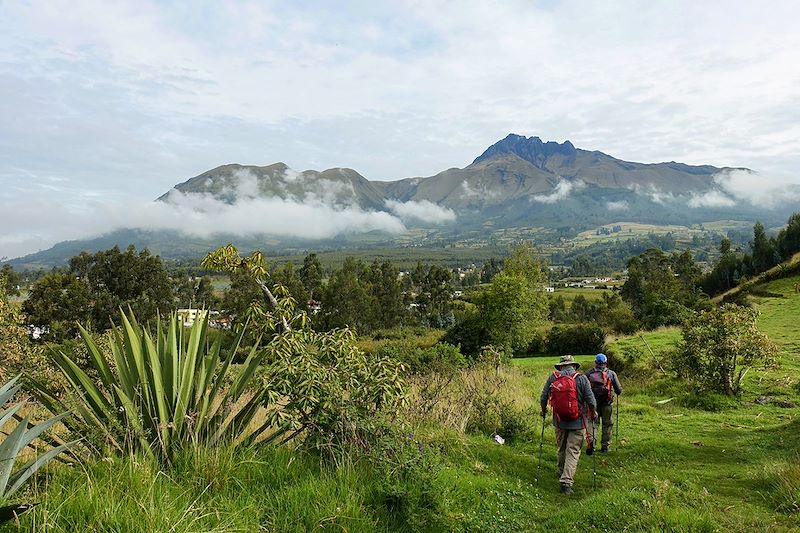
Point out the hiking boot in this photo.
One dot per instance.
(566, 490)
(604, 450)
(590, 450)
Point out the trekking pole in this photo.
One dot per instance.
(616, 437)
(541, 447)
(594, 460)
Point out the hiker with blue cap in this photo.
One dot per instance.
(605, 384)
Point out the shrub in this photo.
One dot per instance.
(579, 338)
(17, 439)
(720, 346)
(441, 357)
(162, 393)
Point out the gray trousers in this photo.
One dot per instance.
(569, 442)
(607, 419)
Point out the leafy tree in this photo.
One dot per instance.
(661, 288)
(313, 373)
(10, 279)
(788, 241)
(387, 291)
(290, 278)
(762, 250)
(435, 296)
(347, 300)
(490, 270)
(514, 303)
(720, 345)
(95, 287)
(237, 299)
(16, 350)
(311, 275)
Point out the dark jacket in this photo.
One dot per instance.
(585, 398)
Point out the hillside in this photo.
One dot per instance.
(518, 182)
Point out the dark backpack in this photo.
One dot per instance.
(564, 397)
(601, 386)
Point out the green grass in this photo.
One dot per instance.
(684, 461)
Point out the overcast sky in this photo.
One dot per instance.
(112, 103)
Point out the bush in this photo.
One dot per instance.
(572, 339)
(720, 346)
(162, 392)
(469, 335)
(442, 357)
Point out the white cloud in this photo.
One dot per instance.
(424, 211)
(758, 189)
(621, 205)
(711, 198)
(192, 214)
(562, 190)
(480, 192)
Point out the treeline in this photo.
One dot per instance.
(765, 252)
(363, 296)
(663, 289)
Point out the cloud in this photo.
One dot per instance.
(621, 205)
(315, 216)
(424, 211)
(757, 188)
(562, 190)
(480, 192)
(711, 198)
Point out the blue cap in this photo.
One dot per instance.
(601, 359)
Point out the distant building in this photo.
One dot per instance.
(549, 289)
(189, 316)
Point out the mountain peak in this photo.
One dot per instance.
(531, 149)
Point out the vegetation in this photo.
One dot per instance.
(160, 393)
(720, 346)
(397, 432)
(95, 287)
(18, 439)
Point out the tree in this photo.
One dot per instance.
(514, 303)
(387, 290)
(762, 250)
(347, 300)
(96, 286)
(10, 280)
(661, 288)
(788, 241)
(311, 275)
(720, 345)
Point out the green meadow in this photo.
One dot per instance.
(684, 461)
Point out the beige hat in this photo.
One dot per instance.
(567, 360)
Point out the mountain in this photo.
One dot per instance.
(517, 182)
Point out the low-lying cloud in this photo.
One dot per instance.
(317, 215)
(424, 211)
(562, 190)
(756, 188)
(621, 205)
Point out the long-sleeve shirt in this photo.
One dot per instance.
(585, 397)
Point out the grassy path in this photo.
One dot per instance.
(694, 463)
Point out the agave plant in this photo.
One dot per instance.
(158, 394)
(17, 440)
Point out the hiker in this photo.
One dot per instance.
(605, 385)
(570, 395)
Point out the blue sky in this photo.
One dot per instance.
(113, 103)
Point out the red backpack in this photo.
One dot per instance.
(564, 397)
(601, 386)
